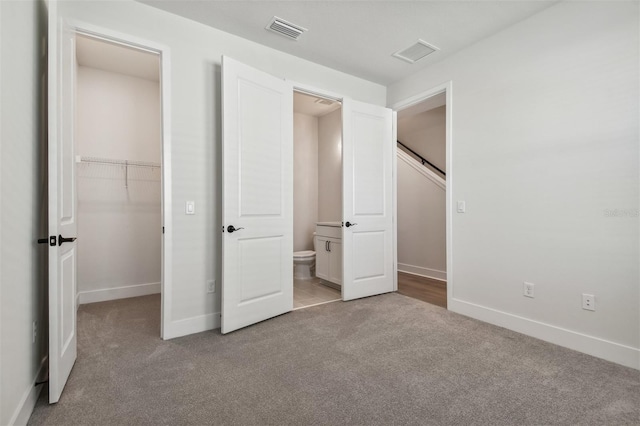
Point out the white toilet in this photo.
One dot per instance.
(304, 263)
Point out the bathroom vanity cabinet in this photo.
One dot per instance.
(329, 252)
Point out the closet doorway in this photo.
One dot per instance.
(108, 182)
(118, 145)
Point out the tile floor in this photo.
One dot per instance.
(311, 292)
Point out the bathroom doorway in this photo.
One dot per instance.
(317, 189)
(258, 187)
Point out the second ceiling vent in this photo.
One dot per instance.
(416, 51)
(285, 28)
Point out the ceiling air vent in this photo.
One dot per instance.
(415, 52)
(323, 101)
(287, 29)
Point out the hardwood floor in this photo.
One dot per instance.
(423, 288)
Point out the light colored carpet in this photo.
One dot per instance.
(386, 360)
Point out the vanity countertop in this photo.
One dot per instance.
(335, 224)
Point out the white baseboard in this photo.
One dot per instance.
(192, 325)
(103, 295)
(610, 351)
(423, 272)
(29, 398)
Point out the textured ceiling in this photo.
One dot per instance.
(359, 37)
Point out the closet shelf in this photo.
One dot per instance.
(99, 160)
(113, 162)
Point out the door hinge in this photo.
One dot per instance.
(163, 229)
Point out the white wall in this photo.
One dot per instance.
(330, 167)
(23, 213)
(196, 134)
(425, 133)
(118, 116)
(305, 180)
(119, 227)
(421, 222)
(545, 147)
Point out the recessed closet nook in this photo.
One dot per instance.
(118, 177)
(317, 188)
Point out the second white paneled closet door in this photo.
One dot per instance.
(257, 228)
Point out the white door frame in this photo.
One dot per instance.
(314, 91)
(406, 103)
(166, 200)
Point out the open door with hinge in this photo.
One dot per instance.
(62, 203)
(257, 234)
(367, 206)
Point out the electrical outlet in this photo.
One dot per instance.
(34, 331)
(528, 289)
(588, 302)
(211, 286)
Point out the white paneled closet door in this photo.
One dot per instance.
(257, 252)
(62, 204)
(367, 237)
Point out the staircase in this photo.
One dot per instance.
(421, 215)
(423, 160)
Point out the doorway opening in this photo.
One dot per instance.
(422, 199)
(317, 194)
(257, 197)
(118, 146)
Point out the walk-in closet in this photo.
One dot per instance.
(118, 175)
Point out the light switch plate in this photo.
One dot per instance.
(462, 207)
(190, 207)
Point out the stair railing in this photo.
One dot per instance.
(422, 159)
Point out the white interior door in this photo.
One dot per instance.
(257, 258)
(367, 173)
(62, 205)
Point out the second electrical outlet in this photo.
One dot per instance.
(529, 289)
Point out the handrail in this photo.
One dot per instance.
(424, 160)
